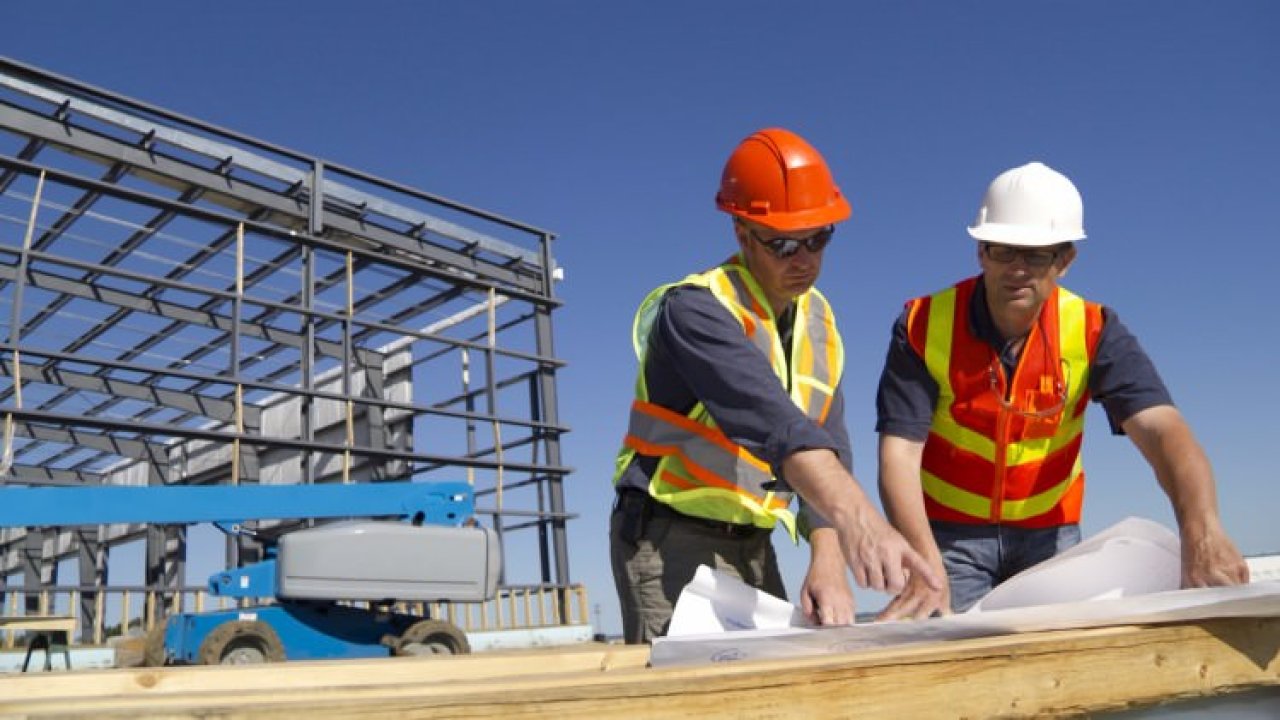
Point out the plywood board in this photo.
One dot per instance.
(1026, 675)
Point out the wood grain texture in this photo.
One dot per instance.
(1027, 675)
(17, 623)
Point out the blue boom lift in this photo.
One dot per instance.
(423, 546)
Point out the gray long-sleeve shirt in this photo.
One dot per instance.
(698, 352)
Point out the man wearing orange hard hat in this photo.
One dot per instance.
(982, 402)
(739, 406)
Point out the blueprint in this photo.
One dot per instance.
(1127, 574)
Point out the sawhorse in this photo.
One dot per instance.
(50, 633)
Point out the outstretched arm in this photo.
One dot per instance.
(878, 555)
(1209, 557)
(903, 500)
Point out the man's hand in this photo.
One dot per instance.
(826, 597)
(919, 601)
(1209, 558)
(881, 559)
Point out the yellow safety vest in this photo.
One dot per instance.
(701, 472)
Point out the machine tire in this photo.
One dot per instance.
(153, 654)
(433, 637)
(241, 642)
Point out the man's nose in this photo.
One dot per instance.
(803, 259)
(1019, 261)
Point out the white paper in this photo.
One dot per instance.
(1133, 557)
(1254, 600)
(1127, 574)
(715, 602)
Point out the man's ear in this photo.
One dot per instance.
(740, 232)
(1067, 257)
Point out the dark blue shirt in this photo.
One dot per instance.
(1122, 377)
(698, 353)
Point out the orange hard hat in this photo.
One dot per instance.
(777, 179)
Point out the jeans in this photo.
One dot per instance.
(979, 557)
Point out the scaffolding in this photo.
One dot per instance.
(181, 303)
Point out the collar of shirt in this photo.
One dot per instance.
(983, 327)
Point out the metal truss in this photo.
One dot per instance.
(180, 303)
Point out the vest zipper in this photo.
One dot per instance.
(1003, 419)
(1002, 458)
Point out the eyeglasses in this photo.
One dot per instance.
(783, 247)
(1036, 257)
(1054, 388)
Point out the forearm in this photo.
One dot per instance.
(823, 482)
(902, 494)
(1180, 465)
(1209, 557)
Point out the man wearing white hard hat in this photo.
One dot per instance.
(982, 401)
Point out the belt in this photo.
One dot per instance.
(630, 500)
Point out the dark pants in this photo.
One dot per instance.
(655, 552)
(979, 557)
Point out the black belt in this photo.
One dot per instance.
(638, 501)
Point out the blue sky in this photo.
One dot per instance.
(608, 123)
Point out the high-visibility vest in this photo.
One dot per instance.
(1000, 456)
(701, 472)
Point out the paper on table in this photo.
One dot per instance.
(1133, 557)
(716, 602)
(1253, 600)
(1126, 574)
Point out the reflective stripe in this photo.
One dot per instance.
(976, 505)
(701, 471)
(700, 475)
(953, 497)
(1042, 502)
(937, 357)
(672, 427)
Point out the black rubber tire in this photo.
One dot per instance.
(241, 642)
(433, 637)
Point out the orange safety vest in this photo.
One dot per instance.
(995, 455)
(701, 472)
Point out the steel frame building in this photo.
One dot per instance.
(181, 303)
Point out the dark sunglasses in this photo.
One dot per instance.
(782, 247)
(1033, 257)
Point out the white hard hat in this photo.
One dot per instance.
(1033, 205)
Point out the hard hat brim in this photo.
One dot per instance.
(838, 211)
(1022, 236)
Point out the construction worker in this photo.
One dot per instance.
(981, 409)
(738, 404)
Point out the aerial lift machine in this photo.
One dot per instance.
(396, 541)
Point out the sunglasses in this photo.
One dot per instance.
(783, 247)
(1036, 258)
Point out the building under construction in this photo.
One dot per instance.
(183, 304)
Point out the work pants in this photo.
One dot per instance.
(655, 552)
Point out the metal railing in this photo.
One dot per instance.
(124, 610)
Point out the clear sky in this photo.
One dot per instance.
(609, 122)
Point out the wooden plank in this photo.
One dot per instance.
(1027, 675)
(303, 676)
(18, 623)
